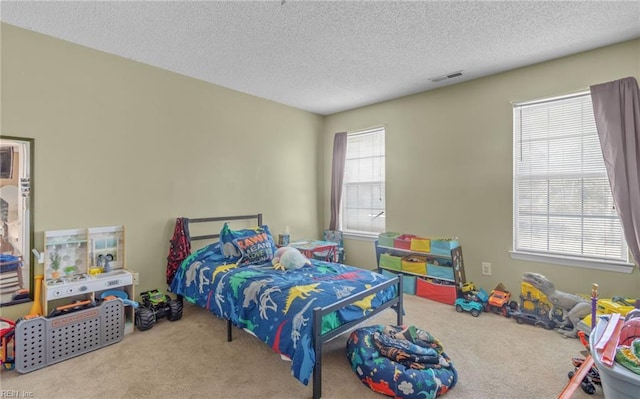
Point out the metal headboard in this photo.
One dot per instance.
(257, 216)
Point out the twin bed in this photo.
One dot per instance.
(294, 311)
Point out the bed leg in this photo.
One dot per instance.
(400, 309)
(317, 348)
(229, 338)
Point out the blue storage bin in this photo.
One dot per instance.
(408, 282)
(437, 271)
(443, 246)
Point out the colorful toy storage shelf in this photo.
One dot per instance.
(432, 268)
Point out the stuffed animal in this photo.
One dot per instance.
(289, 258)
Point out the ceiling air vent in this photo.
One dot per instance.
(445, 77)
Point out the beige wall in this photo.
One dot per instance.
(119, 142)
(449, 165)
(122, 143)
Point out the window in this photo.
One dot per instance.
(563, 210)
(363, 204)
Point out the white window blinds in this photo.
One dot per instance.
(562, 198)
(363, 202)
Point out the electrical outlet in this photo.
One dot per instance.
(136, 278)
(486, 268)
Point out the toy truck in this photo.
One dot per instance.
(534, 308)
(156, 305)
(499, 302)
(473, 302)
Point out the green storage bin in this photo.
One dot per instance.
(388, 261)
(386, 239)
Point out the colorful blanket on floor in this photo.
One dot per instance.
(410, 346)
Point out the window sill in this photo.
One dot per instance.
(611, 266)
(361, 236)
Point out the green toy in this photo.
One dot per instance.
(156, 305)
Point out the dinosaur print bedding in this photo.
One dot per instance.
(277, 306)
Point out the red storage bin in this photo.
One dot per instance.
(403, 241)
(445, 293)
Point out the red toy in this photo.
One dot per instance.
(7, 332)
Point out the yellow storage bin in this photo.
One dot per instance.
(420, 244)
(414, 264)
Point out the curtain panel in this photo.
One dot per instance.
(616, 106)
(337, 176)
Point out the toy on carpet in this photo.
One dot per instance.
(473, 300)
(534, 308)
(576, 306)
(607, 306)
(500, 301)
(590, 380)
(156, 305)
(627, 352)
(7, 334)
(289, 258)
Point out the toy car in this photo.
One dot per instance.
(468, 287)
(536, 320)
(499, 303)
(156, 305)
(463, 304)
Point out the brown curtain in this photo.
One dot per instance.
(616, 106)
(337, 176)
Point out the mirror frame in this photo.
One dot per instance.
(25, 232)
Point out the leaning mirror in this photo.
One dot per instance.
(16, 212)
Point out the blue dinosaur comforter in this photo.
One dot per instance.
(277, 306)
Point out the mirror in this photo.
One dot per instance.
(16, 219)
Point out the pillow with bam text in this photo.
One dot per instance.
(247, 246)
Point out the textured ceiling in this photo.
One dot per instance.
(327, 57)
